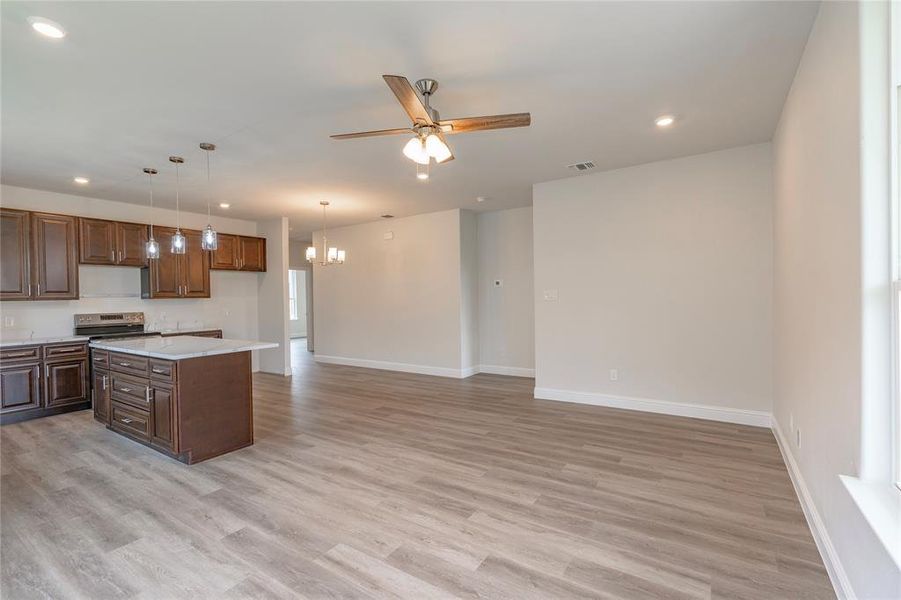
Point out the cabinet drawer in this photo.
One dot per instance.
(130, 421)
(20, 353)
(162, 370)
(65, 350)
(130, 390)
(100, 359)
(128, 363)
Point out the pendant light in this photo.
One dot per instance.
(178, 238)
(330, 256)
(152, 247)
(209, 239)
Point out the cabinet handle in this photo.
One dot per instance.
(147, 393)
(120, 256)
(29, 289)
(126, 420)
(18, 354)
(125, 389)
(159, 371)
(124, 364)
(39, 289)
(69, 349)
(103, 380)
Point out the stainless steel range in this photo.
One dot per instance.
(112, 325)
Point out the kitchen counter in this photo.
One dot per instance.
(180, 347)
(42, 340)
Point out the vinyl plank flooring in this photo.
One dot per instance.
(374, 484)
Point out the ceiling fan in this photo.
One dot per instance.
(428, 128)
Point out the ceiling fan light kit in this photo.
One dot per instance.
(428, 129)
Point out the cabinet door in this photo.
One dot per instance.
(162, 417)
(15, 273)
(131, 239)
(20, 387)
(251, 254)
(194, 267)
(225, 256)
(164, 279)
(54, 257)
(100, 391)
(65, 382)
(97, 242)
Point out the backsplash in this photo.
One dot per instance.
(233, 307)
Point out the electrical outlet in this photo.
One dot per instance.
(614, 375)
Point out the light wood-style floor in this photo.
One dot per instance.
(365, 484)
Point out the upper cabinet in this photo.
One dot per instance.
(39, 258)
(15, 272)
(239, 253)
(177, 275)
(111, 243)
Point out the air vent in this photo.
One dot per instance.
(582, 166)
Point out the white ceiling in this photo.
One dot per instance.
(134, 82)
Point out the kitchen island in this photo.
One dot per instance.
(188, 397)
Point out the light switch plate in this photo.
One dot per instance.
(389, 235)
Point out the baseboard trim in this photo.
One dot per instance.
(511, 371)
(837, 574)
(393, 366)
(697, 411)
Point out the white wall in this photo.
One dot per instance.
(272, 309)
(395, 303)
(232, 306)
(664, 272)
(469, 292)
(506, 313)
(818, 297)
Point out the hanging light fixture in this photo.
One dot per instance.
(209, 239)
(425, 146)
(415, 150)
(178, 238)
(330, 256)
(152, 247)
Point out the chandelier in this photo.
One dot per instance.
(330, 256)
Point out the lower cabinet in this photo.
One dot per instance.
(162, 430)
(20, 387)
(42, 380)
(100, 391)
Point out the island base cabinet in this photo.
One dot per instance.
(100, 391)
(192, 409)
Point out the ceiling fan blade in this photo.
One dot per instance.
(377, 132)
(468, 124)
(407, 97)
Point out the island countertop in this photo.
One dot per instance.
(180, 347)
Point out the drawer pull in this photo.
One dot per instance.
(18, 354)
(103, 381)
(124, 364)
(147, 393)
(69, 349)
(160, 371)
(125, 389)
(124, 420)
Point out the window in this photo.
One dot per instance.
(292, 295)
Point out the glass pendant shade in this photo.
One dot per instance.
(311, 253)
(209, 240)
(341, 255)
(178, 242)
(415, 151)
(332, 255)
(153, 248)
(436, 148)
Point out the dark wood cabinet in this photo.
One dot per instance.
(177, 275)
(225, 256)
(65, 382)
(103, 242)
(15, 271)
(100, 393)
(54, 252)
(162, 418)
(251, 253)
(20, 387)
(39, 256)
(41, 380)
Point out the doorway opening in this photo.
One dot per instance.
(299, 307)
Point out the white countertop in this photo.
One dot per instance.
(185, 331)
(42, 340)
(180, 347)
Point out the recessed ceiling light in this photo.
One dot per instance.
(51, 29)
(224, 205)
(664, 120)
(82, 180)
